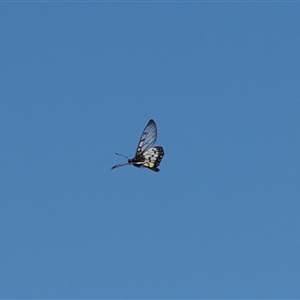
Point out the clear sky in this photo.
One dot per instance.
(79, 82)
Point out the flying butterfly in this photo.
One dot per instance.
(146, 156)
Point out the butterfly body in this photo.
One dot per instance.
(147, 156)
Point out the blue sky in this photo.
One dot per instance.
(79, 82)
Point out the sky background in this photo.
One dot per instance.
(79, 82)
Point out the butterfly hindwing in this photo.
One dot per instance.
(150, 158)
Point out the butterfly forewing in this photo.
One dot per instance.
(148, 137)
(118, 166)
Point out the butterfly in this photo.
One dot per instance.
(146, 156)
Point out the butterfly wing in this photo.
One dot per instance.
(150, 158)
(148, 138)
(118, 166)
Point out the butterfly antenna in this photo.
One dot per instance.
(122, 155)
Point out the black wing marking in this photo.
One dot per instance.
(148, 138)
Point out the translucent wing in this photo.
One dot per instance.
(148, 137)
